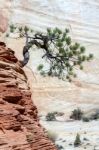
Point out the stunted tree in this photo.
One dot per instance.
(62, 54)
(77, 141)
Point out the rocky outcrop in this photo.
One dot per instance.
(19, 124)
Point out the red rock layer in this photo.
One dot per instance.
(19, 125)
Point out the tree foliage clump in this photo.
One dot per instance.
(62, 54)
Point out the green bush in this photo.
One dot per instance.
(85, 119)
(59, 147)
(51, 116)
(76, 114)
(77, 141)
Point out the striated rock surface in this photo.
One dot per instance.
(81, 16)
(19, 125)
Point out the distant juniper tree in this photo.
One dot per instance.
(62, 54)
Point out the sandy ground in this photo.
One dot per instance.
(67, 131)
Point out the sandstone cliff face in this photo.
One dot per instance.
(19, 125)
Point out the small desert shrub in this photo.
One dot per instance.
(59, 147)
(52, 135)
(77, 141)
(85, 139)
(76, 114)
(51, 116)
(85, 119)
